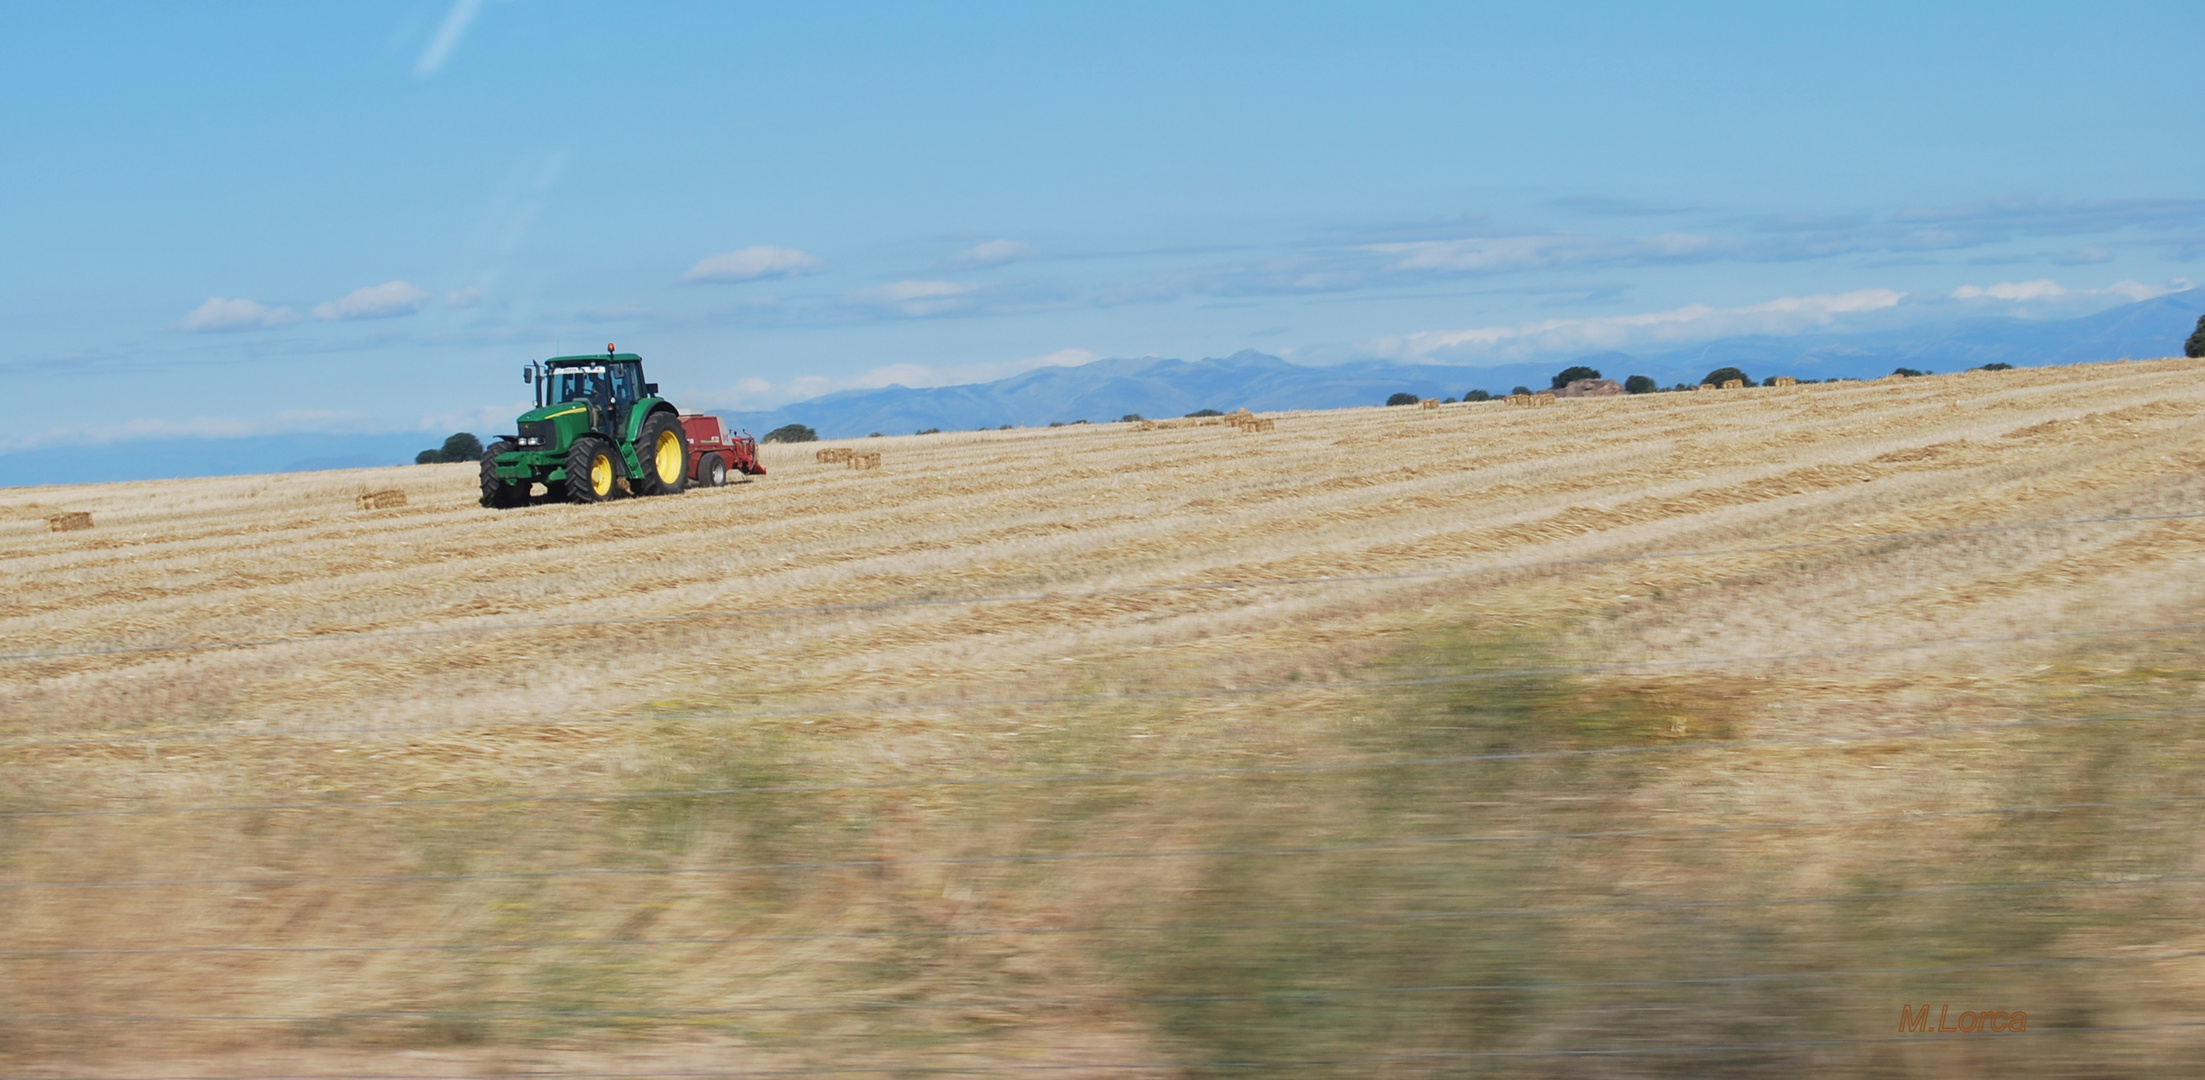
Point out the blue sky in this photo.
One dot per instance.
(249, 219)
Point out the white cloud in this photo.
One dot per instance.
(993, 253)
(2041, 289)
(446, 38)
(204, 427)
(218, 314)
(1787, 315)
(752, 263)
(2045, 289)
(1494, 254)
(919, 297)
(383, 301)
(757, 393)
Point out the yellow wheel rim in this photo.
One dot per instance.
(669, 458)
(601, 475)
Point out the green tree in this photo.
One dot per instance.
(2195, 347)
(1477, 395)
(462, 446)
(791, 433)
(1403, 398)
(1721, 375)
(1204, 412)
(1569, 375)
(1639, 384)
(1524, 390)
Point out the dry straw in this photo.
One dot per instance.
(386, 499)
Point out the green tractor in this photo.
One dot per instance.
(598, 432)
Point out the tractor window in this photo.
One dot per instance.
(627, 383)
(580, 384)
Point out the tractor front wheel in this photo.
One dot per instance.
(592, 471)
(497, 494)
(664, 454)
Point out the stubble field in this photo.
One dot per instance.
(1689, 733)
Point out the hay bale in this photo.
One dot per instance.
(387, 499)
(1428, 403)
(1704, 386)
(1591, 388)
(864, 461)
(70, 521)
(1540, 400)
(834, 455)
(1786, 380)
(1734, 384)
(1146, 425)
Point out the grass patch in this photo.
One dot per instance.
(1445, 919)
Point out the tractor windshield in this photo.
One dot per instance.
(579, 384)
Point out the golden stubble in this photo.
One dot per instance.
(446, 650)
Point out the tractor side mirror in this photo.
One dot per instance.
(650, 389)
(528, 375)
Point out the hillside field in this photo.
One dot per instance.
(1676, 734)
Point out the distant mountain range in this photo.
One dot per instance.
(1109, 389)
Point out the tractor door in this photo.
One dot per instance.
(627, 389)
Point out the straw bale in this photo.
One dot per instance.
(1591, 388)
(386, 499)
(1428, 403)
(833, 455)
(868, 460)
(1786, 380)
(1734, 384)
(70, 521)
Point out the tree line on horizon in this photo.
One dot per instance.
(2193, 348)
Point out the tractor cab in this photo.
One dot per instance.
(610, 386)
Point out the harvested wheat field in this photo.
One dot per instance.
(1678, 734)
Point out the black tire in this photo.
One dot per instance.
(663, 450)
(497, 494)
(712, 471)
(593, 471)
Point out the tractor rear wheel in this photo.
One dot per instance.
(712, 471)
(593, 471)
(498, 494)
(664, 454)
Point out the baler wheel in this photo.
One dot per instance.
(592, 471)
(497, 494)
(712, 471)
(664, 454)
